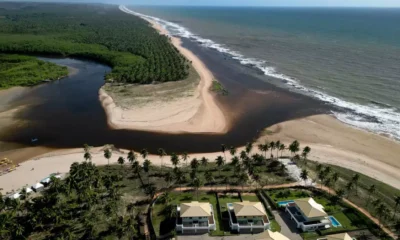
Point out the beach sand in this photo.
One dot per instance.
(198, 113)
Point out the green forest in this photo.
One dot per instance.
(103, 33)
(16, 70)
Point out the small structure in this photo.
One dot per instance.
(37, 187)
(269, 235)
(247, 217)
(195, 218)
(28, 190)
(15, 196)
(340, 236)
(308, 214)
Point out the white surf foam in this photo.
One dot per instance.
(370, 117)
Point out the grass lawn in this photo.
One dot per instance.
(250, 197)
(287, 194)
(227, 198)
(275, 227)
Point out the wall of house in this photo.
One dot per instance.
(193, 219)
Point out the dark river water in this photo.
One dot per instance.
(67, 113)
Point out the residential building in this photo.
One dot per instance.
(308, 214)
(195, 218)
(269, 235)
(340, 236)
(247, 217)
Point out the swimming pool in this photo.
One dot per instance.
(284, 203)
(230, 204)
(334, 221)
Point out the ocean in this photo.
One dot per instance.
(346, 57)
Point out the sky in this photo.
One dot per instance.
(286, 3)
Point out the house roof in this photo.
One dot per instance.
(195, 209)
(247, 208)
(340, 236)
(269, 235)
(310, 208)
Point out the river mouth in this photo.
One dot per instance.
(67, 113)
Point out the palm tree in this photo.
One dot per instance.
(321, 177)
(355, 180)
(209, 177)
(179, 176)
(107, 155)
(335, 178)
(197, 183)
(249, 147)
(161, 153)
(277, 145)
(223, 149)
(204, 162)
(381, 211)
(232, 151)
(396, 204)
(185, 157)
(319, 167)
(194, 164)
(294, 147)
(87, 155)
(328, 184)
(371, 191)
(243, 155)
(243, 178)
(174, 159)
(349, 187)
(282, 147)
(121, 161)
(263, 148)
(168, 178)
(137, 168)
(327, 170)
(272, 146)
(144, 153)
(226, 181)
(220, 162)
(193, 174)
(376, 202)
(235, 161)
(397, 227)
(146, 169)
(305, 152)
(304, 175)
(131, 156)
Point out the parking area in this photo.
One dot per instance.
(288, 226)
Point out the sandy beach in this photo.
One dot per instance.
(198, 113)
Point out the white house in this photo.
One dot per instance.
(195, 218)
(249, 217)
(308, 214)
(340, 236)
(269, 235)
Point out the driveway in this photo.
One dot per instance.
(288, 226)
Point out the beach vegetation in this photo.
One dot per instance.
(17, 70)
(135, 51)
(218, 88)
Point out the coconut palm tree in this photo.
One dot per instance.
(232, 151)
(223, 149)
(381, 211)
(272, 146)
(319, 167)
(226, 181)
(396, 204)
(193, 174)
(304, 175)
(209, 177)
(277, 145)
(371, 190)
(137, 168)
(235, 161)
(197, 183)
(349, 187)
(144, 153)
(243, 178)
(243, 155)
(185, 157)
(87, 155)
(282, 148)
(146, 169)
(179, 177)
(321, 177)
(294, 147)
(376, 202)
(355, 179)
(161, 153)
(328, 184)
(204, 162)
(263, 148)
(220, 162)
(335, 178)
(306, 151)
(121, 161)
(249, 147)
(194, 164)
(168, 178)
(131, 156)
(174, 159)
(107, 155)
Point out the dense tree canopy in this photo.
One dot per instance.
(134, 50)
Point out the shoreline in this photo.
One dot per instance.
(203, 115)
